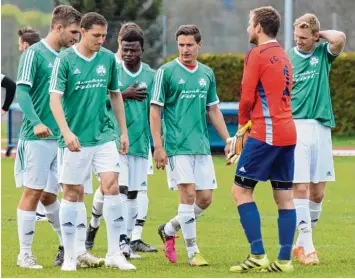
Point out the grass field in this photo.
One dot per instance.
(220, 236)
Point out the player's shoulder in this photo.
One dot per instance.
(146, 68)
(169, 66)
(34, 49)
(205, 68)
(106, 52)
(67, 53)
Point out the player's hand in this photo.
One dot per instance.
(42, 131)
(161, 160)
(133, 92)
(3, 112)
(72, 142)
(237, 143)
(124, 144)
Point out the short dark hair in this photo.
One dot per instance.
(128, 26)
(65, 15)
(91, 19)
(133, 36)
(189, 29)
(28, 35)
(269, 20)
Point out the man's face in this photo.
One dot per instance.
(304, 39)
(131, 53)
(188, 49)
(22, 46)
(69, 35)
(94, 37)
(253, 31)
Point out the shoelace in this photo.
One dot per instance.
(30, 260)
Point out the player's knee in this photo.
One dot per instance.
(109, 185)
(242, 190)
(132, 195)
(204, 199)
(31, 195)
(47, 198)
(187, 194)
(301, 190)
(72, 192)
(317, 197)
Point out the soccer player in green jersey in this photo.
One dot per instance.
(138, 94)
(81, 77)
(314, 118)
(36, 158)
(186, 90)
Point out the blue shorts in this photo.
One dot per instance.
(260, 161)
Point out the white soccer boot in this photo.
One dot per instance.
(119, 261)
(28, 261)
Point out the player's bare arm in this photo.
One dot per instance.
(160, 157)
(133, 92)
(218, 122)
(335, 38)
(118, 108)
(71, 140)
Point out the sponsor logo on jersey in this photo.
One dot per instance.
(181, 81)
(202, 82)
(314, 61)
(76, 71)
(101, 70)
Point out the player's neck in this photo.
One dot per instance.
(53, 41)
(84, 51)
(190, 65)
(133, 68)
(263, 39)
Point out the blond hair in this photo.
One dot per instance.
(308, 21)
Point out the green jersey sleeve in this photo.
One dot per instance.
(160, 88)
(27, 68)
(113, 82)
(330, 55)
(212, 98)
(59, 77)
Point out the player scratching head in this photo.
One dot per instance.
(93, 29)
(189, 42)
(26, 37)
(264, 23)
(306, 32)
(132, 49)
(65, 25)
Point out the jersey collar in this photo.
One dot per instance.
(302, 54)
(82, 56)
(187, 69)
(128, 72)
(43, 41)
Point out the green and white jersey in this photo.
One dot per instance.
(137, 113)
(310, 98)
(34, 70)
(185, 94)
(84, 83)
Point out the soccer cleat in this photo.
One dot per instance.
(69, 265)
(90, 237)
(41, 217)
(140, 246)
(28, 261)
(279, 267)
(59, 259)
(88, 260)
(310, 259)
(125, 249)
(133, 255)
(169, 244)
(118, 261)
(197, 260)
(298, 252)
(251, 263)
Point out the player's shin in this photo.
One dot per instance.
(67, 216)
(187, 221)
(80, 235)
(52, 213)
(97, 207)
(26, 228)
(287, 227)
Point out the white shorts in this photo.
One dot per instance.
(150, 169)
(76, 167)
(133, 172)
(197, 169)
(36, 165)
(313, 153)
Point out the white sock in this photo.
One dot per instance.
(81, 224)
(114, 220)
(40, 208)
(97, 206)
(315, 209)
(52, 213)
(304, 225)
(142, 203)
(172, 227)
(26, 229)
(132, 211)
(67, 216)
(187, 222)
(123, 230)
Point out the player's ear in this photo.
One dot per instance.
(316, 37)
(200, 44)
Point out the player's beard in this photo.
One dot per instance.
(253, 40)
